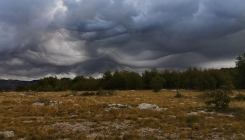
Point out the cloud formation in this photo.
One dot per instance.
(70, 37)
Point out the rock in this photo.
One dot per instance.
(148, 106)
(118, 106)
(192, 113)
(8, 134)
(38, 104)
(171, 116)
(76, 104)
(203, 112)
(174, 136)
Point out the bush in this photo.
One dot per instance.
(102, 92)
(240, 97)
(20, 88)
(220, 98)
(227, 88)
(178, 95)
(88, 94)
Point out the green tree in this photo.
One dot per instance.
(240, 66)
(105, 81)
(157, 83)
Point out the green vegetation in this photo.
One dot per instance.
(157, 83)
(239, 97)
(220, 98)
(179, 95)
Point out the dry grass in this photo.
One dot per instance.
(90, 117)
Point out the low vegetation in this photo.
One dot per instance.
(75, 115)
(179, 95)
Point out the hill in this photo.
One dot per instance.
(7, 85)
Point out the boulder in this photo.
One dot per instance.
(148, 106)
(8, 134)
(38, 104)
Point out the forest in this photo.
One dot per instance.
(192, 78)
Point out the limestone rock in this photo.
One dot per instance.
(8, 134)
(148, 106)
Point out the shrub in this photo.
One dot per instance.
(178, 95)
(227, 88)
(74, 93)
(88, 94)
(20, 88)
(220, 98)
(239, 97)
(102, 92)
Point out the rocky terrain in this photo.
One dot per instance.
(125, 115)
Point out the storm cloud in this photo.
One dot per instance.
(65, 38)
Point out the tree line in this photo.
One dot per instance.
(192, 78)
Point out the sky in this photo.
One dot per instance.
(65, 38)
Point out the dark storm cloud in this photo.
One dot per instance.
(68, 37)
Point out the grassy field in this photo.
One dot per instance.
(68, 116)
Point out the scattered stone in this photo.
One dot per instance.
(106, 110)
(174, 136)
(30, 96)
(60, 102)
(8, 134)
(202, 112)
(171, 116)
(76, 105)
(27, 121)
(117, 106)
(192, 113)
(73, 116)
(38, 104)
(148, 106)
(97, 116)
(230, 116)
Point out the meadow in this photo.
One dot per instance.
(73, 116)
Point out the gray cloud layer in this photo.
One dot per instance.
(69, 37)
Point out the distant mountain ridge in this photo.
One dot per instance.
(8, 85)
